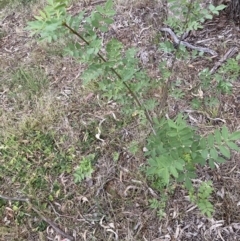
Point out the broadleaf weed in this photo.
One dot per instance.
(84, 169)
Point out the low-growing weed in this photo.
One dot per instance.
(85, 169)
(201, 198)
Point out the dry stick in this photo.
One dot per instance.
(54, 226)
(117, 74)
(186, 44)
(14, 198)
(98, 2)
(206, 114)
(229, 54)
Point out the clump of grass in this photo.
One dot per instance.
(30, 153)
(30, 157)
(25, 84)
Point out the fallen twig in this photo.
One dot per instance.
(98, 2)
(52, 224)
(186, 44)
(205, 114)
(14, 198)
(229, 54)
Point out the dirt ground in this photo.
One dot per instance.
(114, 203)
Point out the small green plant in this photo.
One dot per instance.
(201, 198)
(222, 81)
(115, 156)
(85, 168)
(228, 73)
(192, 13)
(223, 78)
(180, 149)
(174, 148)
(159, 206)
(165, 191)
(133, 147)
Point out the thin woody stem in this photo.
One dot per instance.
(165, 91)
(149, 118)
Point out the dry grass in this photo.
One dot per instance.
(114, 203)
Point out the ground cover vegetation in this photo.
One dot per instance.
(56, 144)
